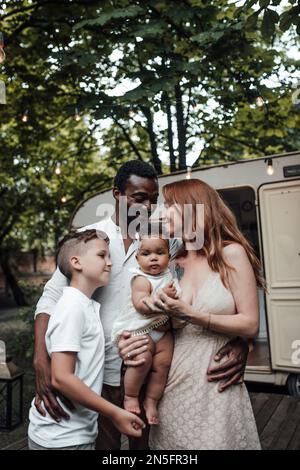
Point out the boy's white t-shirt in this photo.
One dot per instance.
(73, 326)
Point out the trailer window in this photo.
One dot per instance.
(242, 203)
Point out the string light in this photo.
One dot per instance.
(57, 169)
(259, 101)
(77, 115)
(25, 116)
(2, 53)
(188, 173)
(63, 199)
(270, 169)
(131, 112)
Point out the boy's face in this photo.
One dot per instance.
(95, 262)
(153, 255)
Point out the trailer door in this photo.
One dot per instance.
(280, 227)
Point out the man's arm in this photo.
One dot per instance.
(41, 362)
(52, 292)
(231, 371)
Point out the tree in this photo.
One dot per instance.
(198, 66)
(32, 213)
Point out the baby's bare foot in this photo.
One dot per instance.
(132, 404)
(151, 410)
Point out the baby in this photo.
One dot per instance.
(152, 274)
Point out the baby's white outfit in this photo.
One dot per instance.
(136, 323)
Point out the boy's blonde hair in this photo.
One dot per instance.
(72, 244)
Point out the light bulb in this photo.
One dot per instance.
(25, 116)
(188, 173)
(270, 169)
(63, 199)
(58, 170)
(259, 101)
(77, 115)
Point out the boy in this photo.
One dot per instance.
(75, 342)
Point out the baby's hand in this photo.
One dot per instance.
(170, 290)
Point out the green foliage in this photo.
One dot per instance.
(195, 64)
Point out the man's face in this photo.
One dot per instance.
(139, 192)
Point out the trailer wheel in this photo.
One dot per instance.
(293, 384)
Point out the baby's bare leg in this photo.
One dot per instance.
(134, 378)
(158, 377)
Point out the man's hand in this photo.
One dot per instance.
(47, 394)
(233, 368)
(131, 346)
(170, 290)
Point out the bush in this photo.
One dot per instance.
(23, 344)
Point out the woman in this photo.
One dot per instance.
(219, 301)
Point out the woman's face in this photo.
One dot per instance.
(172, 217)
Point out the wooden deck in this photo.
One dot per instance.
(277, 418)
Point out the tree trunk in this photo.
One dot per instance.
(35, 255)
(129, 140)
(181, 129)
(12, 281)
(170, 134)
(155, 158)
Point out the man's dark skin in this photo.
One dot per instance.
(143, 191)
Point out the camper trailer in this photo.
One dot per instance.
(264, 195)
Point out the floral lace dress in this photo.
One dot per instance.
(193, 414)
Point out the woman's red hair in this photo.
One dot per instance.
(220, 226)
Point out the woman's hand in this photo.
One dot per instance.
(172, 307)
(131, 346)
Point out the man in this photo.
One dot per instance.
(137, 182)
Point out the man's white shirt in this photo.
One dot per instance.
(111, 297)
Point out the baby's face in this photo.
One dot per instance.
(153, 255)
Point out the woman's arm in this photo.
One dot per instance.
(242, 284)
(64, 380)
